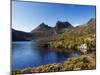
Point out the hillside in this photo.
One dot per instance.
(74, 38)
(80, 39)
(62, 35)
(20, 35)
(42, 27)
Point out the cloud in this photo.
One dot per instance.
(76, 25)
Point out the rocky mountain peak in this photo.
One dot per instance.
(61, 24)
(42, 27)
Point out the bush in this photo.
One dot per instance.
(72, 64)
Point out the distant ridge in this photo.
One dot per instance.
(60, 25)
(42, 27)
(43, 30)
(19, 35)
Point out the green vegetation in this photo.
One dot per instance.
(83, 62)
(74, 38)
(81, 39)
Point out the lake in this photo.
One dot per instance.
(29, 54)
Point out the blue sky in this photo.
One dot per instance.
(28, 15)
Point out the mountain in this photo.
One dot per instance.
(92, 25)
(41, 31)
(92, 21)
(87, 28)
(64, 29)
(44, 30)
(75, 37)
(42, 27)
(20, 35)
(62, 26)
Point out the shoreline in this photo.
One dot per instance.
(83, 62)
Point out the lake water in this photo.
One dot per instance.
(28, 54)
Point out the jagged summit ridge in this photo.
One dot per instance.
(61, 24)
(42, 27)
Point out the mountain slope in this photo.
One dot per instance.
(19, 35)
(62, 26)
(41, 27)
(44, 30)
(84, 34)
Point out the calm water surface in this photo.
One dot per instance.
(28, 54)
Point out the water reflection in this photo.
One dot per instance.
(28, 54)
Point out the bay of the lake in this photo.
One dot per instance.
(29, 54)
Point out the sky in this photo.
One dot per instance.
(26, 16)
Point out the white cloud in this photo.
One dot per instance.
(76, 25)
